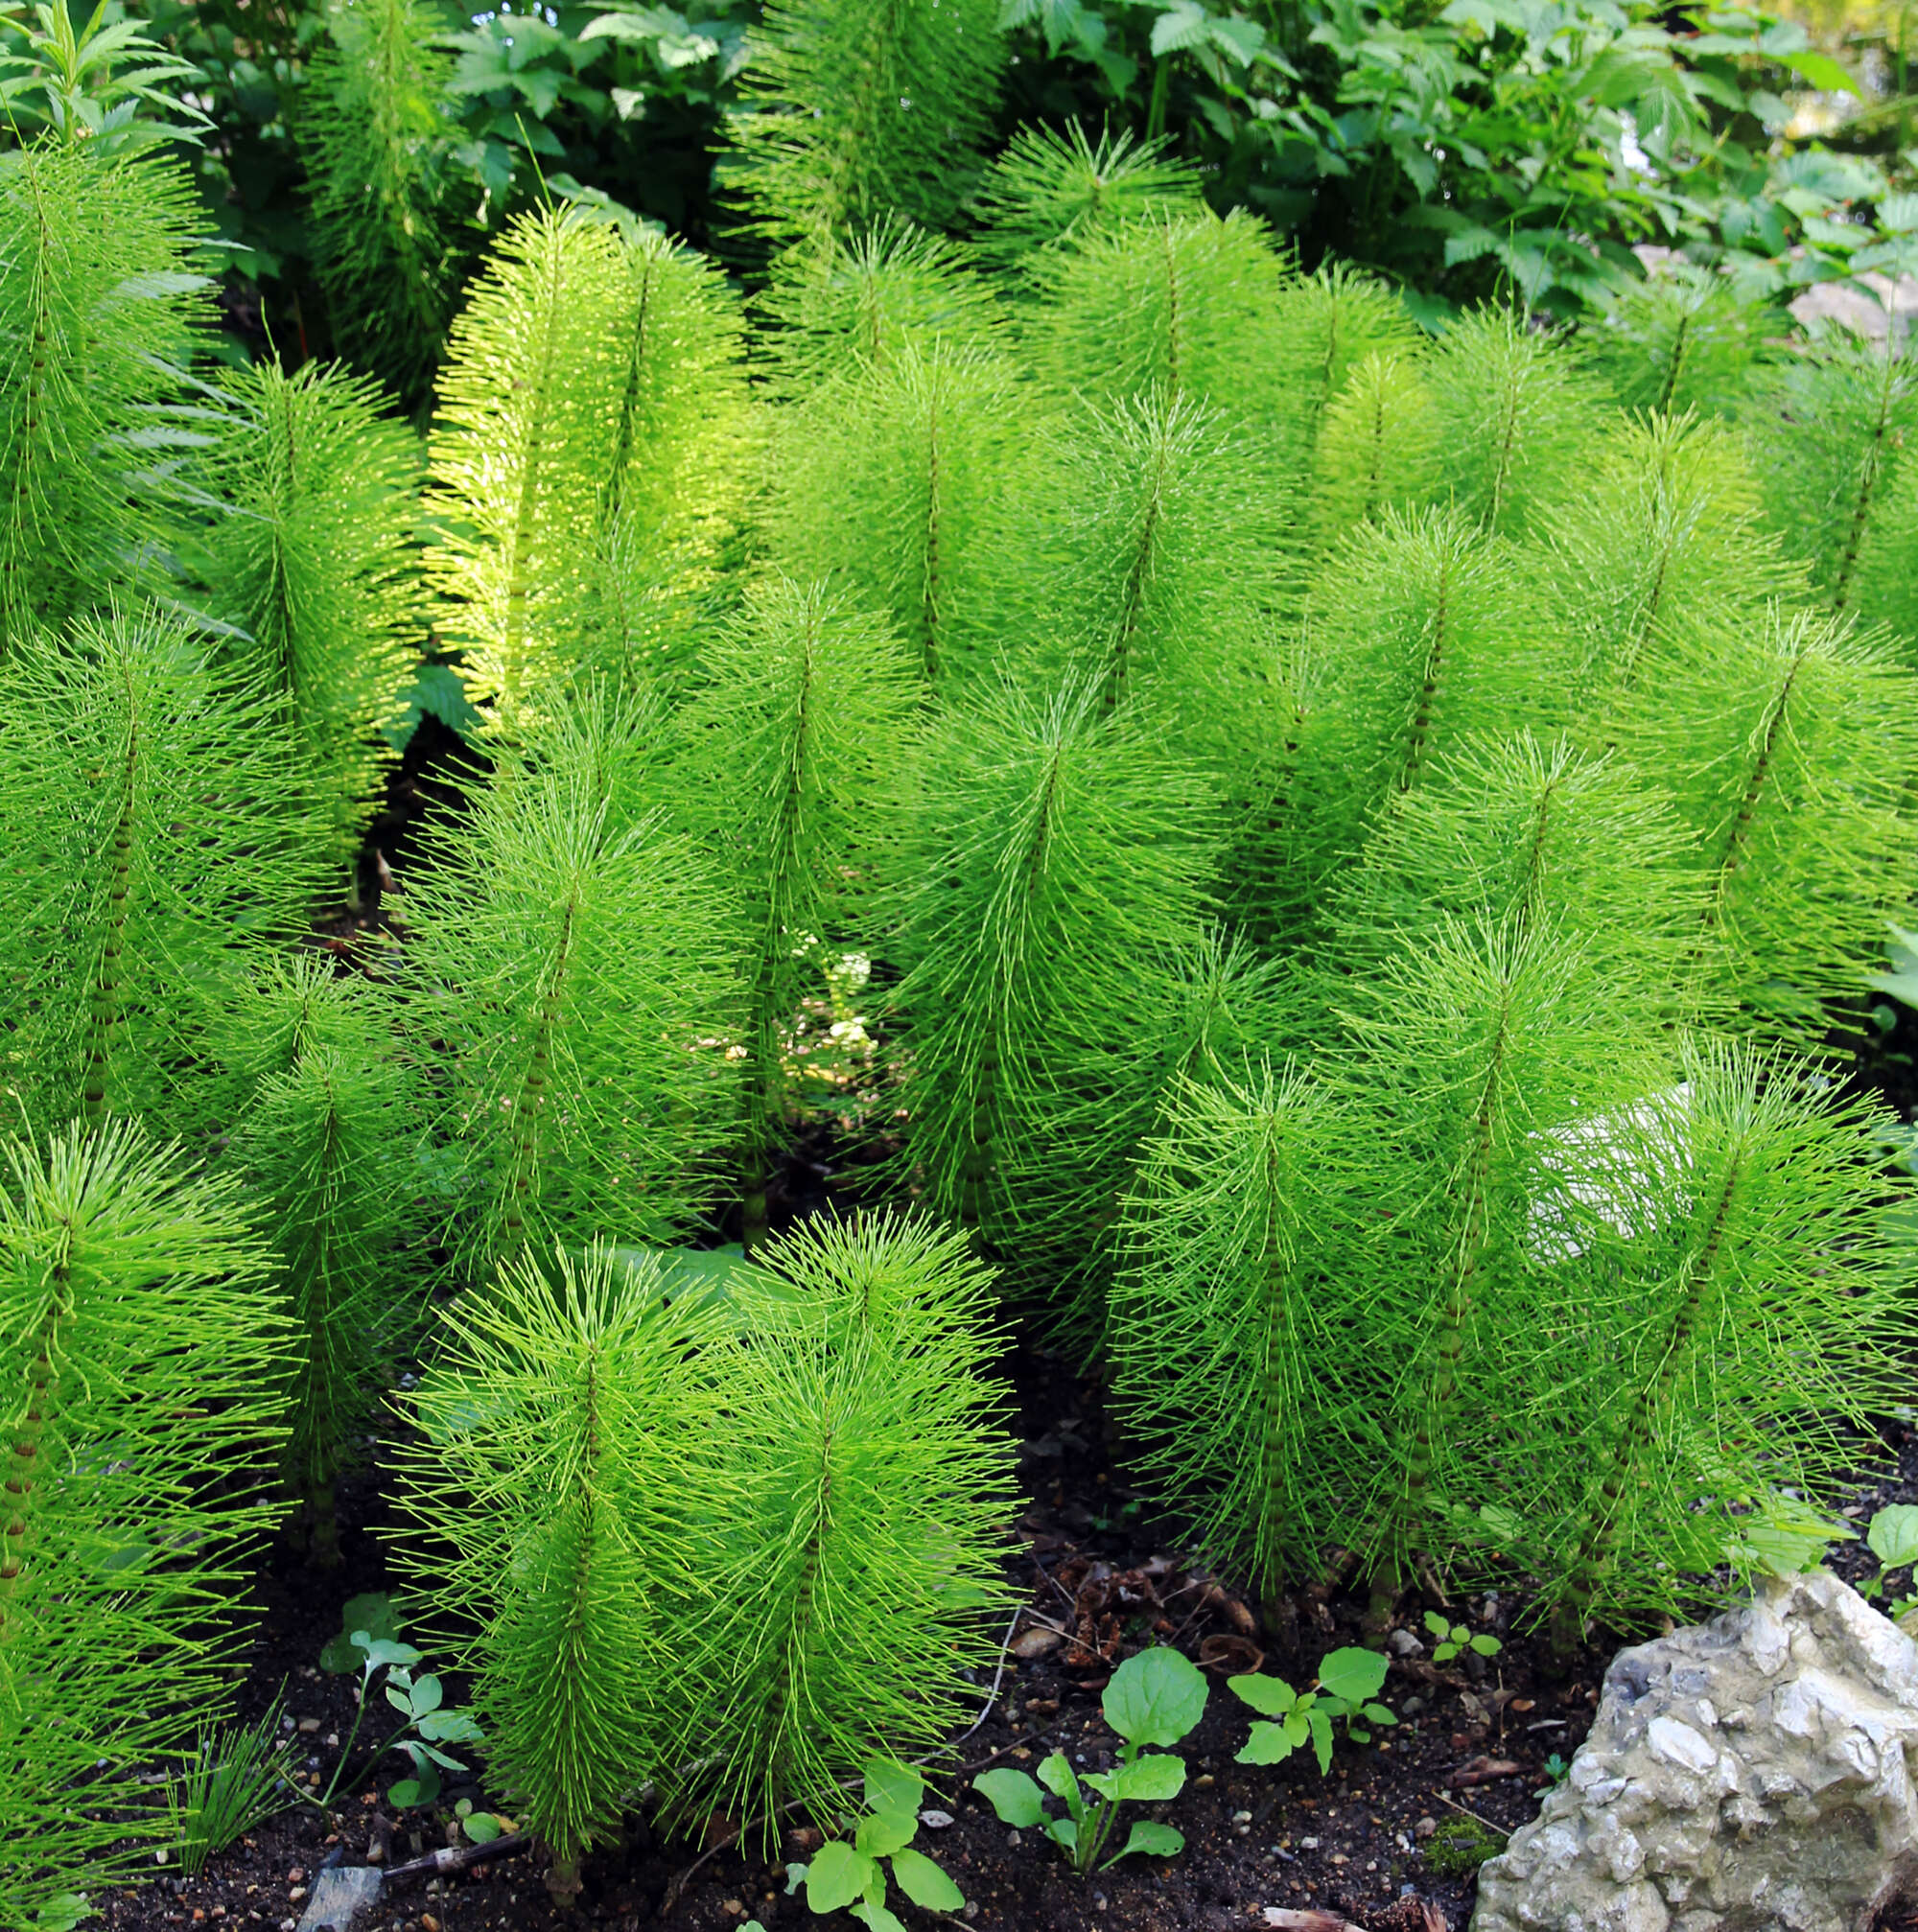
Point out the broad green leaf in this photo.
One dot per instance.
(1150, 1779)
(1182, 26)
(881, 1833)
(482, 1828)
(1440, 1626)
(425, 1696)
(1154, 1840)
(1056, 1774)
(894, 1787)
(1013, 1795)
(1321, 1727)
(1352, 1673)
(1062, 1832)
(381, 1650)
(1487, 1646)
(1269, 1744)
(451, 1727)
(372, 1612)
(1269, 1696)
(408, 1791)
(874, 1917)
(1822, 72)
(1378, 1713)
(62, 1912)
(1155, 1697)
(1893, 1535)
(837, 1875)
(925, 1884)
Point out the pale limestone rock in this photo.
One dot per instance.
(1750, 1775)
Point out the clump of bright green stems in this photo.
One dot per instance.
(145, 1356)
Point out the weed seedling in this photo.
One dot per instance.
(1154, 1698)
(852, 1875)
(370, 1643)
(1347, 1688)
(237, 1776)
(1454, 1639)
(1893, 1539)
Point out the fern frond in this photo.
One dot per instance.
(867, 109)
(788, 764)
(1517, 409)
(1789, 748)
(374, 126)
(313, 567)
(1052, 189)
(143, 1352)
(155, 839)
(98, 297)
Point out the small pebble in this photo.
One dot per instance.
(1242, 1817)
(1205, 1781)
(935, 1821)
(309, 1723)
(294, 1877)
(1308, 1844)
(428, 1922)
(1098, 1901)
(1425, 1827)
(972, 1909)
(735, 1908)
(1012, 1839)
(296, 1894)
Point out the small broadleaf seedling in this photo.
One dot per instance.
(1454, 1639)
(1349, 1683)
(1154, 1698)
(850, 1875)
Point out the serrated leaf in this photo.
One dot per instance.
(1180, 27)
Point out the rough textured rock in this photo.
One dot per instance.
(343, 1896)
(1752, 1774)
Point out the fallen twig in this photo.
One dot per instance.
(1472, 1814)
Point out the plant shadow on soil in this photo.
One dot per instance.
(1102, 1575)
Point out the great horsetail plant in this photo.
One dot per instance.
(312, 566)
(1728, 1322)
(155, 838)
(1663, 542)
(97, 282)
(578, 966)
(327, 1135)
(1053, 190)
(1830, 426)
(1789, 748)
(561, 1432)
(1226, 1364)
(375, 126)
(1051, 866)
(1519, 407)
(1682, 339)
(1335, 319)
(864, 110)
(859, 1486)
(144, 1355)
(582, 464)
(893, 482)
(790, 758)
(1378, 445)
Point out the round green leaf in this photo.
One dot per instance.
(837, 1877)
(1013, 1795)
(1155, 1697)
(408, 1791)
(925, 1884)
(1268, 1744)
(1893, 1535)
(892, 1788)
(482, 1828)
(1352, 1673)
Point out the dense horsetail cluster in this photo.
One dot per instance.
(1376, 846)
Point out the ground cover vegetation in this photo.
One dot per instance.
(1365, 855)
